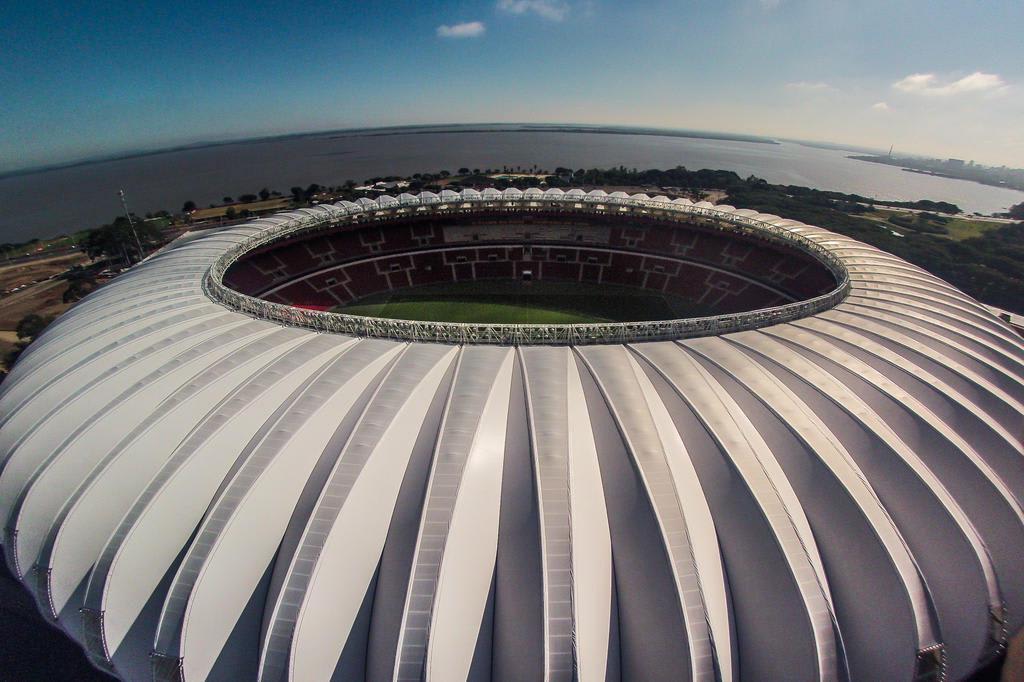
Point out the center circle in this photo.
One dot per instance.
(531, 272)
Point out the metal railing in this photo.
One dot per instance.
(306, 221)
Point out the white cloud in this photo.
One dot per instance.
(880, 106)
(809, 86)
(467, 29)
(553, 10)
(929, 84)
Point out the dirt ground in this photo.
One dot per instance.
(7, 341)
(23, 273)
(45, 299)
(217, 211)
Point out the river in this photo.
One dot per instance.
(58, 201)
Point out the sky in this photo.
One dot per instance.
(939, 78)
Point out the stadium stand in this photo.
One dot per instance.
(729, 271)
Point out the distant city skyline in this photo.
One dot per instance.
(940, 79)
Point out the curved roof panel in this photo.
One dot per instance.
(189, 489)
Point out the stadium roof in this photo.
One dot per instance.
(836, 495)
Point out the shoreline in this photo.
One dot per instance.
(898, 163)
(42, 220)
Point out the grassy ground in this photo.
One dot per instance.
(962, 228)
(511, 302)
(957, 229)
(217, 211)
(41, 246)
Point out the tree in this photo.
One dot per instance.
(230, 213)
(31, 326)
(116, 240)
(188, 207)
(312, 190)
(264, 194)
(10, 358)
(463, 171)
(80, 282)
(247, 198)
(227, 200)
(1017, 211)
(28, 329)
(297, 194)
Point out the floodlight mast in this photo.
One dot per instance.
(138, 244)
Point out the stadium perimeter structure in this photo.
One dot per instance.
(200, 484)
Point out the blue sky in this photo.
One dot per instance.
(932, 77)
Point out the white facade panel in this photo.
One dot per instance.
(221, 484)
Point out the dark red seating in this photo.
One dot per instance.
(729, 270)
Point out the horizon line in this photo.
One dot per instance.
(256, 138)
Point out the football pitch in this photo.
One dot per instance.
(514, 302)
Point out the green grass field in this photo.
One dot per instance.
(512, 302)
(957, 229)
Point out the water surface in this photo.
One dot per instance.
(53, 202)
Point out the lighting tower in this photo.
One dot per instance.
(138, 244)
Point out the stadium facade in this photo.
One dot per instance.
(206, 474)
